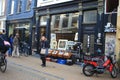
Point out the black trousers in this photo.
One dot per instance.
(43, 58)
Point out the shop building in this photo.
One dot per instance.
(73, 21)
(2, 14)
(20, 19)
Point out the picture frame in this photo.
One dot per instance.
(53, 44)
(62, 44)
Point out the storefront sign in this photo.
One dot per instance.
(50, 2)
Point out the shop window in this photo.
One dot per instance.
(65, 18)
(19, 6)
(90, 16)
(63, 30)
(111, 6)
(57, 21)
(75, 20)
(12, 7)
(28, 6)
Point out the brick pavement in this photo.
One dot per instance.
(28, 68)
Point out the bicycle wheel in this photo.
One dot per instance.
(3, 66)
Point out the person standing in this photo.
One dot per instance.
(16, 46)
(44, 44)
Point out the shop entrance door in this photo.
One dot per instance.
(88, 43)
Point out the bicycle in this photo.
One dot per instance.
(24, 49)
(3, 62)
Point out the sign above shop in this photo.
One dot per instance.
(50, 2)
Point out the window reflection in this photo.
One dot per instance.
(28, 6)
(57, 21)
(74, 19)
(90, 16)
(19, 6)
(65, 18)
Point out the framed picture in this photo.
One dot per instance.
(62, 44)
(53, 44)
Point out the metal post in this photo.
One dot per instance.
(48, 29)
(48, 26)
(30, 36)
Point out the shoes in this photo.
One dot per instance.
(43, 65)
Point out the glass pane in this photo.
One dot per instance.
(65, 18)
(111, 5)
(12, 7)
(19, 6)
(28, 6)
(90, 16)
(57, 21)
(44, 19)
(75, 20)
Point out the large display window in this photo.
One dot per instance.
(22, 29)
(64, 28)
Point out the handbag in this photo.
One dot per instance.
(44, 51)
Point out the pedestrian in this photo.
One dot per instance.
(15, 52)
(44, 44)
(11, 45)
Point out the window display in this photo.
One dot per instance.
(64, 30)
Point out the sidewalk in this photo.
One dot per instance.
(63, 72)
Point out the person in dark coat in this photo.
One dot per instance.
(43, 44)
(3, 37)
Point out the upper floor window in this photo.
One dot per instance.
(19, 6)
(2, 7)
(28, 5)
(12, 7)
(90, 16)
(111, 6)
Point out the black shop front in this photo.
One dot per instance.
(73, 21)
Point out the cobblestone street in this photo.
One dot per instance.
(28, 68)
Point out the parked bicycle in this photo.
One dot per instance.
(3, 62)
(24, 48)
